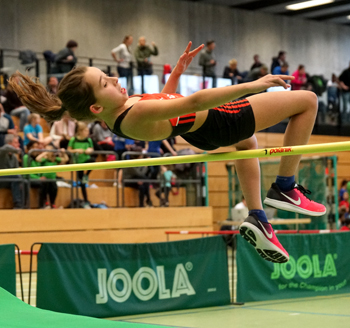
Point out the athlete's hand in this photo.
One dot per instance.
(269, 81)
(186, 58)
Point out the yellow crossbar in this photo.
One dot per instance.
(244, 154)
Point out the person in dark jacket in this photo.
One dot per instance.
(231, 72)
(6, 125)
(143, 53)
(65, 60)
(279, 60)
(9, 160)
(208, 61)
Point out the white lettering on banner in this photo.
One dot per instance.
(163, 293)
(102, 297)
(156, 281)
(119, 296)
(150, 275)
(181, 283)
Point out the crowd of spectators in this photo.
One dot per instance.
(336, 110)
(337, 93)
(80, 141)
(31, 147)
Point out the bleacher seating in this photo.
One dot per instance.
(217, 177)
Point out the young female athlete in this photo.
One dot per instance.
(207, 119)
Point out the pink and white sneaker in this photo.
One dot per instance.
(294, 200)
(262, 237)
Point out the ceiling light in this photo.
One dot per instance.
(348, 17)
(308, 4)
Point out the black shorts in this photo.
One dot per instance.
(225, 126)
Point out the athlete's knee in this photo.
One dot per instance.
(311, 101)
(247, 144)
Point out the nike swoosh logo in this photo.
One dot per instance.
(269, 235)
(296, 202)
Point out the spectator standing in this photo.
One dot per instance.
(231, 72)
(124, 58)
(300, 78)
(143, 53)
(34, 132)
(62, 131)
(167, 176)
(256, 63)
(14, 107)
(333, 94)
(208, 62)
(6, 125)
(9, 160)
(65, 60)
(82, 145)
(344, 83)
(49, 179)
(279, 60)
(35, 179)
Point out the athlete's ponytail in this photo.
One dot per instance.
(34, 96)
(74, 95)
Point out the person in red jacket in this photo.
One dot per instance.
(300, 78)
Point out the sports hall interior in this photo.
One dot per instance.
(99, 26)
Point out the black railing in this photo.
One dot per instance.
(105, 63)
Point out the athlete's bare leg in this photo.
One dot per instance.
(271, 108)
(248, 172)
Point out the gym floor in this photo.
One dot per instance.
(316, 312)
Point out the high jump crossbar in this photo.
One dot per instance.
(244, 154)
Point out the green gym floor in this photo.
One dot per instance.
(316, 312)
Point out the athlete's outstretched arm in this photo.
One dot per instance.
(181, 66)
(155, 110)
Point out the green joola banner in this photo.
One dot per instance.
(106, 280)
(8, 268)
(318, 265)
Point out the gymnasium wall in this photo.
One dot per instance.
(99, 26)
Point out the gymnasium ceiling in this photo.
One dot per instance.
(335, 12)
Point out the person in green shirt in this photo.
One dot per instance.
(35, 180)
(82, 146)
(50, 158)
